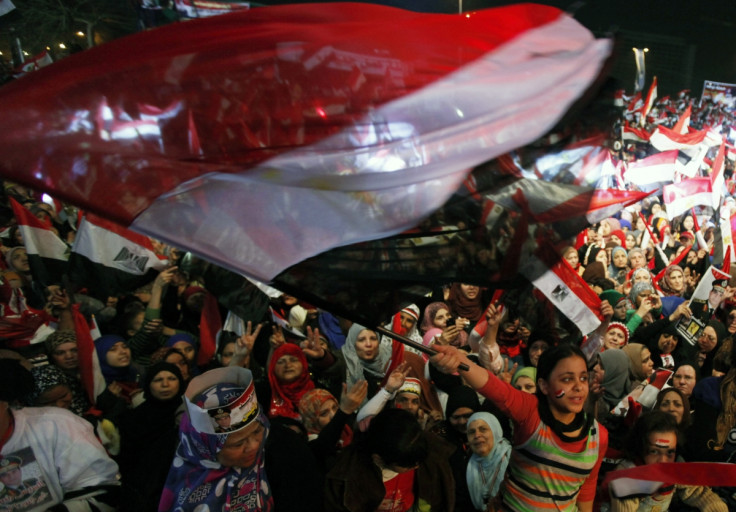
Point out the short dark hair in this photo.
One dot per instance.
(396, 437)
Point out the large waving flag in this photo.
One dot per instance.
(367, 134)
(665, 139)
(47, 253)
(658, 168)
(89, 365)
(109, 259)
(564, 287)
(684, 195)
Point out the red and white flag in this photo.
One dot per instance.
(634, 134)
(717, 176)
(684, 121)
(658, 168)
(562, 285)
(110, 259)
(665, 139)
(367, 154)
(47, 253)
(36, 62)
(684, 195)
(89, 365)
(699, 238)
(649, 101)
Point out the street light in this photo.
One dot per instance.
(641, 71)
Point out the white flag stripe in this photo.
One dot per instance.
(102, 246)
(558, 292)
(44, 243)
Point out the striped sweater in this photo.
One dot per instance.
(545, 472)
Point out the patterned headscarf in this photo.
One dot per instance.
(309, 407)
(197, 481)
(285, 396)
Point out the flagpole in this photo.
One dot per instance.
(414, 344)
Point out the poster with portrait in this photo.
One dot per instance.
(719, 92)
(22, 486)
(706, 298)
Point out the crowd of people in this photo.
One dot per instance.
(302, 410)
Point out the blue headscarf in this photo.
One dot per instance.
(329, 327)
(103, 344)
(485, 474)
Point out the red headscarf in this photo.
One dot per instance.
(285, 397)
(462, 306)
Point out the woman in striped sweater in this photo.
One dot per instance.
(558, 448)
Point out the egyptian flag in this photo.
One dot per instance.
(89, 364)
(47, 253)
(665, 139)
(651, 170)
(649, 101)
(683, 196)
(386, 126)
(210, 324)
(559, 282)
(110, 260)
(684, 121)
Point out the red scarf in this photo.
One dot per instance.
(285, 396)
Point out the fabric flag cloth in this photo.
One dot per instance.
(717, 176)
(207, 8)
(34, 63)
(559, 282)
(634, 134)
(111, 258)
(89, 365)
(658, 168)
(649, 101)
(210, 324)
(47, 253)
(384, 127)
(6, 6)
(683, 122)
(645, 480)
(665, 139)
(684, 195)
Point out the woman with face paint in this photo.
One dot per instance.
(557, 447)
(653, 440)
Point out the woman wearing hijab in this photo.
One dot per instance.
(288, 374)
(121, 376)
(148, 437)
(366, 358)
(616, 381)
(328, 422)
(619, 266)
(640, 362)
(231, 458)
(673, 281)
(487, 465)
(435, 329)
(466, 301)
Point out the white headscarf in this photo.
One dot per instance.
(485, 474)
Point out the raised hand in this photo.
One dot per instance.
(311, 346)
(507, 374)
(494, 314)
(244, 343)
(165, 277)
(350, 399)
(396, 378)
(277, 337)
